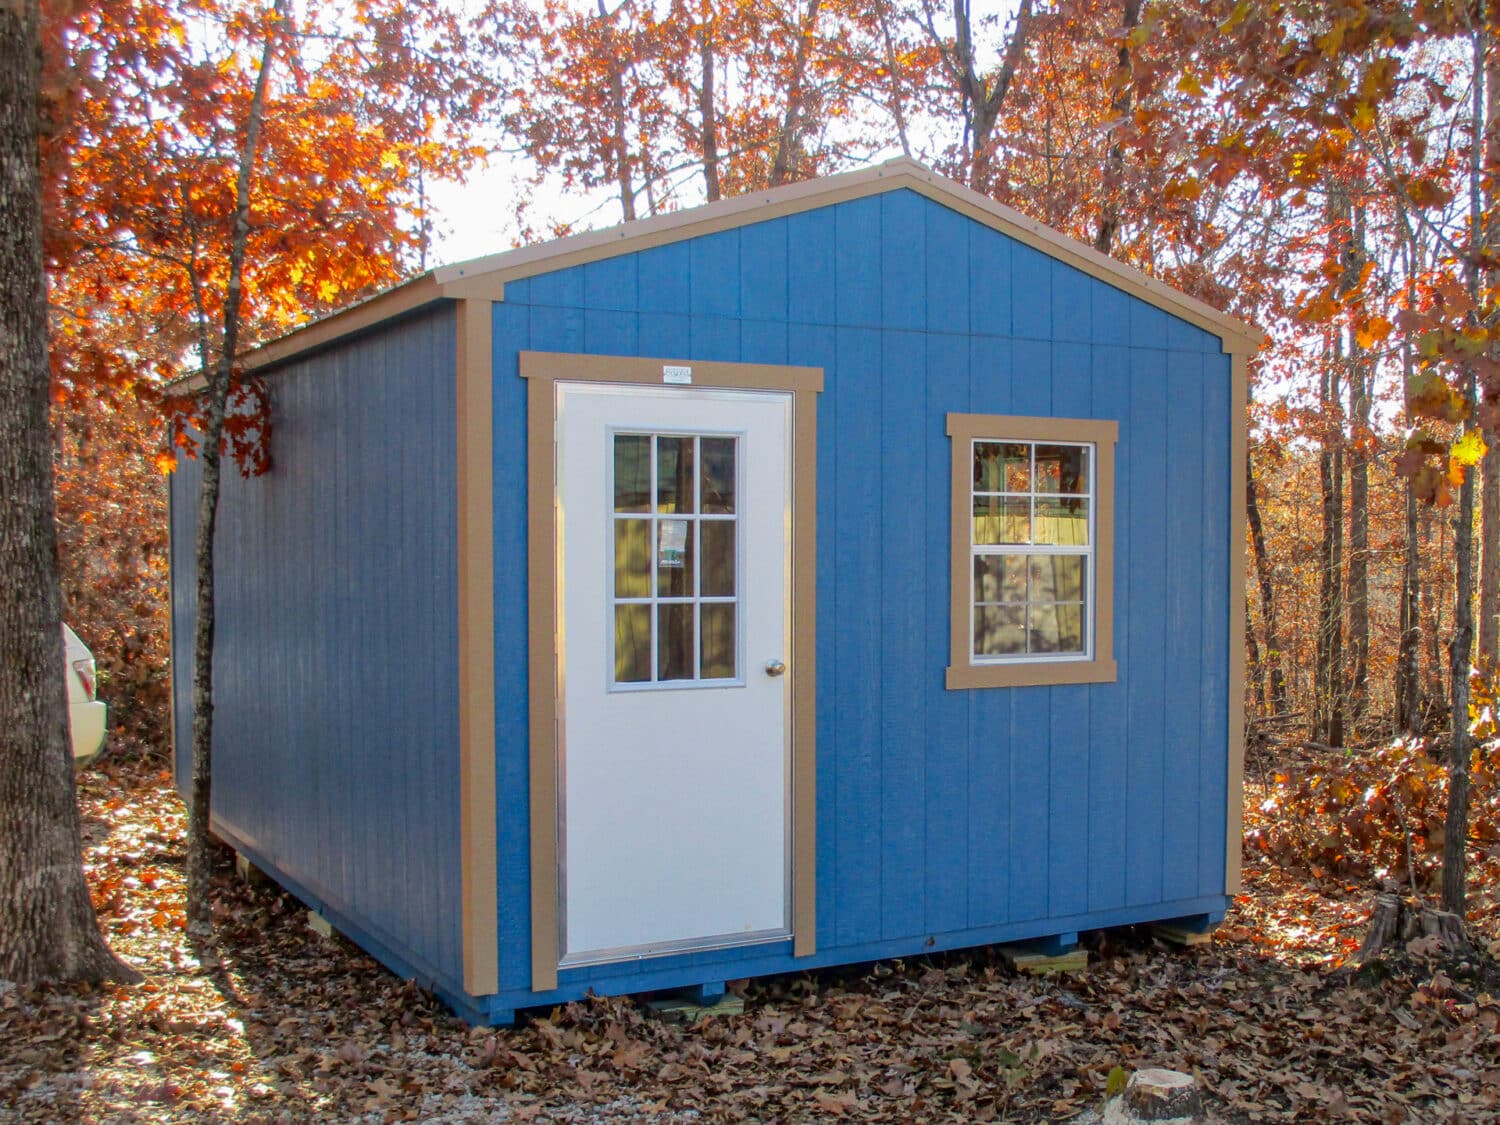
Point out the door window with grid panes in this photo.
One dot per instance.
(675, 583)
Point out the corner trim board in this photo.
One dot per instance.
(1239, 436)
(476, 650)
(543, 371)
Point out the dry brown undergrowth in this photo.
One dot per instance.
(275, 1024)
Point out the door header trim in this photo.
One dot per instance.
(543, 371)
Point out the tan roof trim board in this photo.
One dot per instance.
(485, 278)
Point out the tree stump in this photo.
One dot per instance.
(1157, 1096)
(1394, 922)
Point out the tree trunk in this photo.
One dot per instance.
(1328, 690)
(1409, 650)
(1114, 163)
(624, 181)
(1359, 536)
(47, 925)
(1277, 677)
(1460, 649)
(706, 112)
(788, 140)
(1489, 558)
(982, 97)
(199, 858)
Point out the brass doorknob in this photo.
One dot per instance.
(775, 667)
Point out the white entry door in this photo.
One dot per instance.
(674, 518)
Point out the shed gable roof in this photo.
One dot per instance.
(486, 277)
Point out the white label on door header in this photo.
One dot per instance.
(673, 772)
(670, 374)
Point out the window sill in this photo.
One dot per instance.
(1040, 674)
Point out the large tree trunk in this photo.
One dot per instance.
(1114, 163)
(200, 803)
(1277, 677)
(47, 924)
(1460, 648)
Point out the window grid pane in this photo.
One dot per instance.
(674, 624)
(1031, 539)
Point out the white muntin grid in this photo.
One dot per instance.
(693, 600)
(1027, 550)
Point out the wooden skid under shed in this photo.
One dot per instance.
(1033, 963)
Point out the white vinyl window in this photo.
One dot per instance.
(1032, 551)
(1032, 546)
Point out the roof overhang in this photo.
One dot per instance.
(485, 278)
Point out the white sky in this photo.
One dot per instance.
(478, 217)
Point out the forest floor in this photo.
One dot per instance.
(272, 1023)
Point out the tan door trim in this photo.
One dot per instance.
(544, 370)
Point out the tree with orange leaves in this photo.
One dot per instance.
(216, 170)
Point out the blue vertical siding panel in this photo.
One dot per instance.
(715, 265)
(663, 278)
(989, 732)
(1031, 292)
(1220, 495)
(857, 494)
(991, 375)
(817, 346)
(562, 289)
(556, 329)
(607, 332)
(903, 238)
(1031, 382)
(1184, 575)
(1149, 564)
(1182, 336)
(512, 620)
(336, 704)
(764, 341)
(1110, 309)
(610, 283)
(1107, 716)
(946, 774)
(1068, 801)
(1030, 798)
(1072, 381)
(763, 272)
(811, 253)
(1068, 759)
(901, 607)
(946, 245)
(666, 336)
(1149, 327)
(857, 281)
(715, 338)
(1072, 304)
(991, 281)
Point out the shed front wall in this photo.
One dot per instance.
(945, 818)
(336, 740)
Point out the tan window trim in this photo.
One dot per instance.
(963, 673)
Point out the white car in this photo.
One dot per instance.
(86, 715)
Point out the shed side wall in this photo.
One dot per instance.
(938, 811)
(335, 680)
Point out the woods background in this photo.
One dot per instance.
(1323, 169)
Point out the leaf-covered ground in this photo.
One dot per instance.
(273, 1023)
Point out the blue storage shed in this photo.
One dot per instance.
(845, 571)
